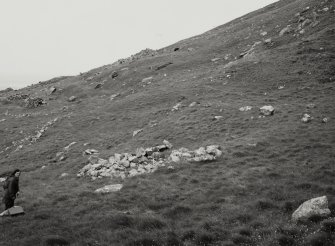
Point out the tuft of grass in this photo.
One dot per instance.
(328, 225)
(54, 240)
(318, 239)
(177, 212)
(265, 204)
(284, 240)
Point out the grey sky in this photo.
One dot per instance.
(42, 39)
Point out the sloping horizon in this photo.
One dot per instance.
(43, 39)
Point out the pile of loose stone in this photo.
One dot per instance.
(143, 161)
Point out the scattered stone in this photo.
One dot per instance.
(64, 175)
(245, 108)
(285, 30)
(208, 153)
(91, 151)
(177, 107)
(170, 167)
(306, 118)
(114, 95)
(310, 105)
(109, 188)
(167, 144)
(163, 66)
(72, 99)
(314, 207)
(325, 120)
(145, 80)
(193, 104)
(2, 120)
(98, 86)
(215, 59)
(153, 123)
(325, 9)
(115, 74)
(268, 41)
(52, 90)
(218, 117)
(281, 87)
(67, 148)
(267, 110)
(137, 132)
(264, 33)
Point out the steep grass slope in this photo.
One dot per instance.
(270, 164)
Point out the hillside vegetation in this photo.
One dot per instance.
(193, 93)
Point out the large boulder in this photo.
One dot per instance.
(314, 207)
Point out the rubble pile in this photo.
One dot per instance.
(125, 164)
(143, 161)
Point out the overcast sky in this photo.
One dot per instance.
(42, 39)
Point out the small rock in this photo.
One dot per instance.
(112, 97)
(145, 80)
(72, 99)
(52, 90)
(281, 87)
(137, 132)
(115, 74)
(325, 120)
(268, 41)
(245, 108)
(310, 105)
(177, 107)
(91, 151)
(314, 207)
(193, 104)
(170, 167)
(306, 118)
(64, 175)
(109, 188)
(285, 30)
(325, 9)
(67, 148)
(167, 144)
(267, 110)
(2, 120)
(215, 59)
(98, 86)
(43, 167)
(218, 117)
(264, 33)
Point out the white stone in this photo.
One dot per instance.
(177, 106)
(267, 110)
(137, 132)
(109, 188)
(306, 118)
(316, 206)
(245, 108)
(167, 144)
(146, 79)
(133, 172)
(218, 117)
(193, 104)
(64, 175)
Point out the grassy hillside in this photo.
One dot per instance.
(270, 165)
